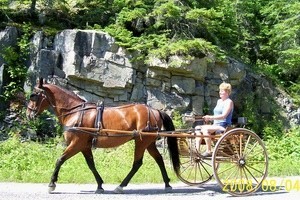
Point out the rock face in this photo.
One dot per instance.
(8, 38)
(92, 64)
(95, 66)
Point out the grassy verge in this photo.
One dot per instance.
(34, 162)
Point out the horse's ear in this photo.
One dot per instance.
(40, 82)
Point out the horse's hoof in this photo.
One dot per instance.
(168, 189)
(51, 189)
(119, 190)
(99, 191)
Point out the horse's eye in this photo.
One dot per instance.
(33, 97)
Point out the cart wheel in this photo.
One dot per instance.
(194, 170)
(240, 162)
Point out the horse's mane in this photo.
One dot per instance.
(72, 94)
(68, 92)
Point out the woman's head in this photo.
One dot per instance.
(226, 87)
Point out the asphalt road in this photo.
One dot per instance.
(274, 188)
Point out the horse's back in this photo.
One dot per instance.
(130, 117)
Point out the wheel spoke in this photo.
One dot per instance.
(246, 145)
(256, 162)
(225, 170)
(194, 170)
(204, 168)
(251, 174)
(254, 145)
(241, 146)
(247, 168)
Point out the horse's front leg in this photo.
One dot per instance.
(68, 153)
(52, 185)
(88, 155)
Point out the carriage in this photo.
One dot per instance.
(239, 162)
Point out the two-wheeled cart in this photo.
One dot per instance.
(239, 162)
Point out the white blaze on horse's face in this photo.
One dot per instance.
(37, 104)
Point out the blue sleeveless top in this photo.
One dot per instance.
(219, 109)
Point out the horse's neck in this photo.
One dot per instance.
(63, 101)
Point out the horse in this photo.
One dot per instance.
(77, 115)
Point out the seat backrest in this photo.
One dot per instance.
(242, 121)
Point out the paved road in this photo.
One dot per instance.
(286, 188)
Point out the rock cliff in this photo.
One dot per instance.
(94, 66)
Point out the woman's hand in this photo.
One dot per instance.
(207, 118)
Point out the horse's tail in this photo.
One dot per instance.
(172, 141)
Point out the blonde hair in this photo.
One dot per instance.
(226, 87)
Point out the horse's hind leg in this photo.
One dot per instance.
(137, 163)
(159, 160)
(88, 155)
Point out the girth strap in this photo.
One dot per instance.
(98, 121)
(150, 128)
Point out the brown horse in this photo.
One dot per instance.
(74, 112)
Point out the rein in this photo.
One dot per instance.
(75, 111)
(45, 97)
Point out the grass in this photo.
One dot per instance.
(34, 162)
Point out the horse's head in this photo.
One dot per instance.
(38, 101)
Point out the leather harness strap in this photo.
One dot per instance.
(79, 120)
(98, 122)
(150, 128)
(98, 119)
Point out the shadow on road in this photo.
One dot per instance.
(206, 189)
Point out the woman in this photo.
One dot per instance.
(221, 118)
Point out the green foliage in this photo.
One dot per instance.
(15, 68)
(16, 72)
(244, 29)
(281, 48)
(177, 120)
(295, 92)
(284, 146)
(188, 48)
(265, 126)
(43, 128)
(272, 128)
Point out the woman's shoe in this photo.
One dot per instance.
(206, 154)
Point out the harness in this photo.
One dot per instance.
(98, 123)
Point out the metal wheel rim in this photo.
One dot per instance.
(243, 168)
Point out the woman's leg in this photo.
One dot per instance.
(198, 139)
(207, 131)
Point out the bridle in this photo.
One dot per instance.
(42, 94)
(35, 96)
